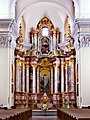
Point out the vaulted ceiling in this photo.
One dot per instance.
(34, 10)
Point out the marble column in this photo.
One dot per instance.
(27, 76)
(51, 79)
(66, 75)
(34, 78)
(38, 80)
(39, 44)
(56, 79)
(62, 75)
(18, 74)
(72, 75)
(23, 75)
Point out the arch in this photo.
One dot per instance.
(45, 21)
(59, 7)
(76, 2)
(65, 28)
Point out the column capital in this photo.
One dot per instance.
(66, 63)
(55, 65)
(9, 27)
(34, 66)
(5, 41)
(62, 63)
(81, 33)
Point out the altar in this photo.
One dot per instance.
(44, 67)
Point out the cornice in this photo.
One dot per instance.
(8, 26)
(8, 30)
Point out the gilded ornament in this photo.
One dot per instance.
(69, 30)
(20, 30)
(57, 28)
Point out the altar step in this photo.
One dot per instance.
(44, 113)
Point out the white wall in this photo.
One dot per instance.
(85, 8)
(6, 95)
(84, 61)
(4, 76)
(4, 8)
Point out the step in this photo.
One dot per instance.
(44, 113)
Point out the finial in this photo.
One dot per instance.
(57, 28)
(20, 30)
(32, 29)
(69, 30)
(37, 29)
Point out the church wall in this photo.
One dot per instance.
(84, 9)
(4, 12)
(7, 98)
(84, 62)
(4, 76)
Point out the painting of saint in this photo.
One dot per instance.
(45, 46)
(44, 83)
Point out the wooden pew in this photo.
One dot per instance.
(15, 114)
(73, 114)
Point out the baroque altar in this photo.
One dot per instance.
(46, 66)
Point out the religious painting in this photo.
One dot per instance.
(30, 79)
(45, 45)
(45, 81)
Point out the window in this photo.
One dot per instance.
(45, 31)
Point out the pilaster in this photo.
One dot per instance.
(8, 33)
(81, 33)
